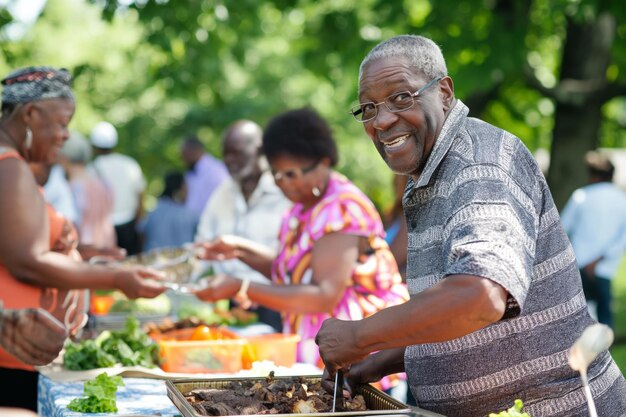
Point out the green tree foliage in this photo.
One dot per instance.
(160, 69)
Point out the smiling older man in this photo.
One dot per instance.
(496, 297)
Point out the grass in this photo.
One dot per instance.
(618, 351)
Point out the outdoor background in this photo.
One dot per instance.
(551, 71)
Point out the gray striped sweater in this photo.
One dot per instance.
(482, 207)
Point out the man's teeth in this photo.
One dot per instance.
(397, 142)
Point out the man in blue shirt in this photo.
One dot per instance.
(205, 173)
(595, 221)
(171, 224)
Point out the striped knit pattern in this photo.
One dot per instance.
(482, 207)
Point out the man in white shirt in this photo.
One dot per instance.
(125, 178)
(58, 193)
(248, 204)
(595, 221)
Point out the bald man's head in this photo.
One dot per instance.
(242, 149)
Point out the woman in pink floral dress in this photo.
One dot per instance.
(332, 259)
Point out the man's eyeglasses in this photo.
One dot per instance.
(395, 103)
(294, 173)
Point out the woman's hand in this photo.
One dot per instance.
(138, 282)
(224, 247)
(218, 287)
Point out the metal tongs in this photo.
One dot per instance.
(338, 392)
(594, 340)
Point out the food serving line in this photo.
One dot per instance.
(217, 370)
(149, 397)
(194, 359)
(144, 392)
(189, 363)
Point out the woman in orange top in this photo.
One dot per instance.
(37, 106)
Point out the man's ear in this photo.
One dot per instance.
(446, 91)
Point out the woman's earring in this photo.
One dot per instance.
(316, 192)
(28, 141)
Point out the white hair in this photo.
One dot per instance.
(423, 54)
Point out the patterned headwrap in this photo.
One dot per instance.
(36, 83)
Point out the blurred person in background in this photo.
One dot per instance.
(58, 192)
(35, 269)
(204, 173)
(123, 175)
(42, 173)
(395, 224)
(332, 260)
(248, 204)
(92, 197)
(170, 224)
(595, 221)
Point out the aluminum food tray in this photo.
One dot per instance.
(376, 401)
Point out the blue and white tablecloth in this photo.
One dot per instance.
(138, 396)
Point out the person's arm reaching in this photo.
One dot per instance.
(255, 255)
(457, 306)
(333, 259)
(25, 252)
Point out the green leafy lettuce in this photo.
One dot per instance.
(129, 347)
(100, 395)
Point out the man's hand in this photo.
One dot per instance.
(337, 343)
(31, 335)
(364, 372)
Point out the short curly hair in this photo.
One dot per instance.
(299, 133)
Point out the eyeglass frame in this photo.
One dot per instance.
(359, 107)
(294, 173)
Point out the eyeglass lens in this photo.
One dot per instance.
(294, 173)
(395, 103)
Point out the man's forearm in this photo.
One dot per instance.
(457, 306)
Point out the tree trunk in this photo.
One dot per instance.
(578, 113)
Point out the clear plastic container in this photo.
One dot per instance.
(177, 353)
(276, 347)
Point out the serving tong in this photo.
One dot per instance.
(338, 403)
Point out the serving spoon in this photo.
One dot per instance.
(595, 339)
